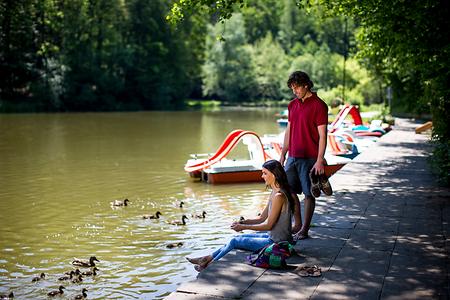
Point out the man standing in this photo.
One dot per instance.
(305, 139)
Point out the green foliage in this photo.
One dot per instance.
(122, 55)
(22, 51)
(261, 18)
(270, 65)
(440, 161)
(222, 9)
(204, 105)
(227, 69)
(78, 55)
(323, 66)
(407, 42)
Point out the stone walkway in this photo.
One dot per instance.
(382, 235)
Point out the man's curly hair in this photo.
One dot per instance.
(299, 78)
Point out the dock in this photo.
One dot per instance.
(382, 235)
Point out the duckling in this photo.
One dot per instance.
(155, 216)
(67, 277)
(5, 297)
(202, 216)
(182, 222)
(90, 273)
(84, 263)
(35, 279)
(120, 202)
(83, 294)
(173, 245)
(76, 272)
(79, 279)
(58, 292)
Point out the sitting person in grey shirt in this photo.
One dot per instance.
(274, 221)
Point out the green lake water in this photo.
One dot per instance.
(59, 173)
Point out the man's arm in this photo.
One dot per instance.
(285, 144)
(319, 165)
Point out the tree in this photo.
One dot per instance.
(270, 65)
(91, 45)
(261, 18)
(160, 61)
(26, 48)
(408, 42)
(227, 71)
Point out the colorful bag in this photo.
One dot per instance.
(272, 256)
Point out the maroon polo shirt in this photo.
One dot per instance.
(304, 118)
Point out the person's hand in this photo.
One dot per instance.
(318, 168)
(236, 226)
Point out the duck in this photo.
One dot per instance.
(66, 277)
(5, 297)
(58, 292)
(201, 216)
(155, 216)
(182, 222)
(83, 294)
(90, 273)
(120, 202)
(174, 245)
(79, 279)
(84, 263)
(35, 279)
(180, 204)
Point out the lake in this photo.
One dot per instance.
(59, 173)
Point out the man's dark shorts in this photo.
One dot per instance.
(297, 170)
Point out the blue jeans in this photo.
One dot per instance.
(248, 241)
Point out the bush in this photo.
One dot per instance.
(440, 161)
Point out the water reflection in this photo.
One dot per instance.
(59, 173)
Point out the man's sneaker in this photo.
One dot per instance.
(325, 185)
(315, 185)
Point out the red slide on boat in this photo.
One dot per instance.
(348, 109)
(228, 144)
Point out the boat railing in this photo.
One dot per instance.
(201, 155)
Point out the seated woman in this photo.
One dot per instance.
(274, 221)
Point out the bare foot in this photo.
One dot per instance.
(199, 268)
(197, 260)
(300, 236)
(296, 229)
(204, 260)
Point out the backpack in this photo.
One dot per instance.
(272, 256)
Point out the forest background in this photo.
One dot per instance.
(110, 55)
(81, 55)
